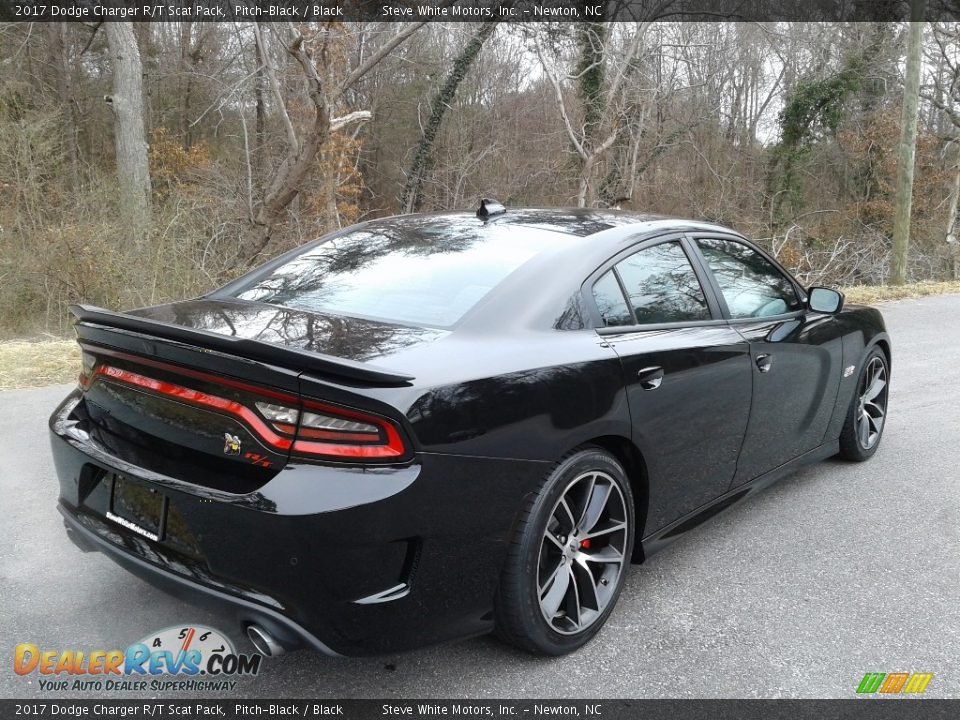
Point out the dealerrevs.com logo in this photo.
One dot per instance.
(201, 657)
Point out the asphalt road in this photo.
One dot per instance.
(838, 570)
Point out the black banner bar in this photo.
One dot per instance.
(473, 10)
(887, 709)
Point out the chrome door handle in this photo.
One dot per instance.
(650, 377)
(764, 362)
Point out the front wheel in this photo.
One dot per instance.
(568, 561)
(867, 415)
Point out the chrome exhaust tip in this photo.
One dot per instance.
(264, 642)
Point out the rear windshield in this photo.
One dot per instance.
(427, 271)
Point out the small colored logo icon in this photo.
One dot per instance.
(231, 444)
(894, 683)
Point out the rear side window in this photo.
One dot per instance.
(610, 302)
(751, 285)
(662, 286)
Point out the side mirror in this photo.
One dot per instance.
(825, 300)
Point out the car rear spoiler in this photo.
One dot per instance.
(291, 358)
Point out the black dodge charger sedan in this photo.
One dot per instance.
(429, 427)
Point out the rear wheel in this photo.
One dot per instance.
(568, 560)
(867, 415)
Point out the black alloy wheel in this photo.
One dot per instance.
(568, 561)
(867, 415)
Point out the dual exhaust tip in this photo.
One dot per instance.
(265, 643)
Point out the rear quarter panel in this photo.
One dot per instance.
(529, 396)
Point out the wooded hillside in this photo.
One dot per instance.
(146, 162)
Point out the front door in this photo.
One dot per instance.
(796, 355)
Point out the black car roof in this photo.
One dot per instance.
(577, 222)
(581, 222)
(534, 293)
(544, 283)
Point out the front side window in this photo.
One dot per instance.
(751, 284)
(661, 286)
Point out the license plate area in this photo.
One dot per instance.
(136, 507)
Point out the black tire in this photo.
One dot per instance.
(857, 441)
(520, 607)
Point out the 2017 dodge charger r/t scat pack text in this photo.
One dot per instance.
(429, 427)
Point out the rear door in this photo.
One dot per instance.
(796, 355)
(688, 374)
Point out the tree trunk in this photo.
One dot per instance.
(286, 182)
(908, 147)
(953, 242)
(59, 61)
(583, 183)
(590, 70)
(260, 130)
(133, 170)
(185, 81)
(954, 204)
(413, 189)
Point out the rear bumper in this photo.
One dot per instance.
(82, 531)
(319, 553)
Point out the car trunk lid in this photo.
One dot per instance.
(222, 410)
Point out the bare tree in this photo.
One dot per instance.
(192, 48)
(945, 99)
(599, 129)
(63, 80)
(908, 147)
(126, 102)
(260, 89)
(301, 148)
(412, 191)
(258, 144)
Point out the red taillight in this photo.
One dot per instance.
(86, 370)
(200, 399)
(327, 430)
(284, 423)
(317, 435)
